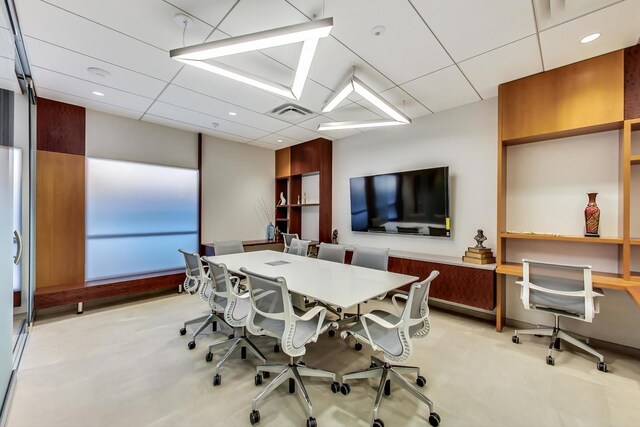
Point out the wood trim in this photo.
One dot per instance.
(632, 82)
(283, 162)
(625, 190)
(565, 133)
(60, 219)
(17, 299)
(200, 194)
(60, 127)
(55, 296)
(501, 247)
(326, 187)
(561, 238)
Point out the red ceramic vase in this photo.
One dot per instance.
(592, 217)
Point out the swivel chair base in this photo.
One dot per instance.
(556, 335)
(241, 341)
(294, 373)
(206, 320)
(387, 372)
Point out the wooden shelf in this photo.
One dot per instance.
(635, 242)
(305, 204)
(635, 160)
(602, 280)
(282, 219)
(561, 238)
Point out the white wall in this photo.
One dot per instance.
(235, 178)
(463, 139)
(120, 138)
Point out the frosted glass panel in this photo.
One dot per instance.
(138, 215)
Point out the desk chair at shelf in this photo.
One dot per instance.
(392, 334)
(198, 281)
(298, 247)
(562, 290)
(286, 238)
(235, 306)
(272, 314)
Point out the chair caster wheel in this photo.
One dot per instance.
(209, 357)
(378, 423)
(266, 375)
(311, 422)
(258, 379)
(335, 387)
(183, 331)
(217, 380)
(434, 419)
(191, 345)
(421, 381)
(214, 326)
(515, 339)
(345, 389)
(602, 366)
(339, 310)
(231, 336)
(331, 333)
(276, 348)
(550, 360)
(254, 417)
(358, 346)
(387, 388)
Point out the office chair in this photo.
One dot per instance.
(333, 253)
(273, 315)
(228, 247)
(198, 281)
(235, 306)
(562, 290)
(392, 334)
(298, 247)
(287, 237)
(377, 259)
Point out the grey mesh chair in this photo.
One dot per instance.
(333, 253)
(562, 290)
(298, 247)
(235, 306)
(228, 247)
(273, 315)
(198, 281)
(393, 334)
(375, 258)
(287, 237)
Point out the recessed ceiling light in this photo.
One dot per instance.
(96, 93)
(590, 38)
(378, 30)
(279, 140)
(231, 113)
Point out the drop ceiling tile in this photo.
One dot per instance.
(279, 140)
(402, 101)
(150, 21)
(258, 143)
(70, 85)
(8, 84)
(312, 124)
(617, 24)
(442, 90)
(7, 69)
(552, 13)
(515, 60)
(394, 52)
(469, 27)
(215, 108)
(78, 34)
(314, 96)
(206, 121)
(87, 103)
(4, 18)
(210, 12)
(7, 48)
(192, 128)
(300, 134)
(355, 112)
(52, 57)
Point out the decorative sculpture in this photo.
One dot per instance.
(282, 201)
(592, 217)
(480, 238)
(334, 237)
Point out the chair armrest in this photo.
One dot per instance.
(395, 303)
(315, 311)
(380, 321)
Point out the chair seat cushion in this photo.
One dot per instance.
(560, 303)
(304, 331)
(387, 339)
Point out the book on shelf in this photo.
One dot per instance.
(479, 250)
(490, 260)
(482, 255)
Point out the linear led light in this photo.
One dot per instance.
(308, 33)
(359, 125)
(355, 84)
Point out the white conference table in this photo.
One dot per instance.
(340, 285)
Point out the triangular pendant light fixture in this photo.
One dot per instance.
(308, 33)
(354, 84)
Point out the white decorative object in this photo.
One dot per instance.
(304, 198)
(283, 201)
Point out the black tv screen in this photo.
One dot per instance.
(412, 202)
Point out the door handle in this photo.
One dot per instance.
(17, 237)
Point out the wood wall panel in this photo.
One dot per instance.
(326, 174)
(586, 94)
(60, 219)
(61, 127)
(283, 162)
(632, 82)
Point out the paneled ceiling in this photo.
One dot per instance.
(432, 55)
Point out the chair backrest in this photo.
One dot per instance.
(223, 296)
(228, 247)
(563, 289)
(299, 247)
(330, 252)
(272, 312)
(193, 270)
(287, 237)
(375, 258)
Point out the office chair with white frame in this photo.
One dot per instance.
(562, 290)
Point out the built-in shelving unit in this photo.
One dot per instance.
(561, 238)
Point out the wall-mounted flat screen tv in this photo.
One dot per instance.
(412, 202)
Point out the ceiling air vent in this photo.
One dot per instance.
(291, 112)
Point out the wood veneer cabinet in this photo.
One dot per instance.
(292, 164)
(595, 95)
